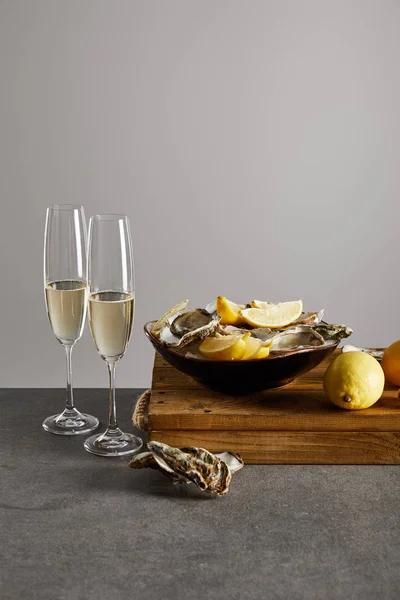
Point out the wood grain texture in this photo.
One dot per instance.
(345, 448)
(178, 402)
(289, 425)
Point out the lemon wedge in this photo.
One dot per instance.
(273, 315)
(229, 311)
(262, 353)
(260, 304)
(253, 345)
(226, 347)
(255, 349)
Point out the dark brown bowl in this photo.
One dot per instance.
(238, 378)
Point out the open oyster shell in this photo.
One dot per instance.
(374, 352)
(332, 333)
(296, 338)
(308, 336)
(210, 472)
(172, 312)
(189, 326)
(309, 318)
(190, 321)
(183, 329)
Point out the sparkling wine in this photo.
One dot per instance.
(66, 308)
(111, 318)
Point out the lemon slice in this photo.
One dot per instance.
(273, 315)
(229, 311)
(262, 353)
(227, 347)
(253, 345)
(260, 304)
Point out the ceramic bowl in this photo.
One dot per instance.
(239, 378)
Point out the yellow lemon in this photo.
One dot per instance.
(273, 315)
(263, 352)
(391, 363)
(354, 380)
(254, 348)
(253, 345)
(229, 311)
(226, 347)
(260, 304)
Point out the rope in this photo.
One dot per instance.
(140, 417)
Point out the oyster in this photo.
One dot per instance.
(307, 336)
(182, 329)
(210, 472)
(292, 337)
(144, 460)
(262, 333)
(147, 460)
(232, 329)
(332, 333)
(190, 321)
(309, 318)
(296, 338)
(374, 352)
(188, 327)
(162, 321)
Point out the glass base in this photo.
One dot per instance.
(113, 442)
(70, 422)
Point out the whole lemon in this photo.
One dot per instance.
(391, 363)
(354, 380)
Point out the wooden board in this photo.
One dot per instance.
(290, 425)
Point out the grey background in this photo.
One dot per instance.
(254, 145)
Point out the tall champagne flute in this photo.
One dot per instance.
(65, 284)
(111, 312)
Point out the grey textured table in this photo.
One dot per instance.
(75, 526)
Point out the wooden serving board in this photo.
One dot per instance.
(290, 425)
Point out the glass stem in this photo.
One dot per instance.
(112, 424)
(69, 405)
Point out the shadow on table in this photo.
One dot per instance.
(143, 482)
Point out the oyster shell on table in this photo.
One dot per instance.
(210, 472)
(143, 460)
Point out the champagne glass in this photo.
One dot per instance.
(111, 311)
(65, 284)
